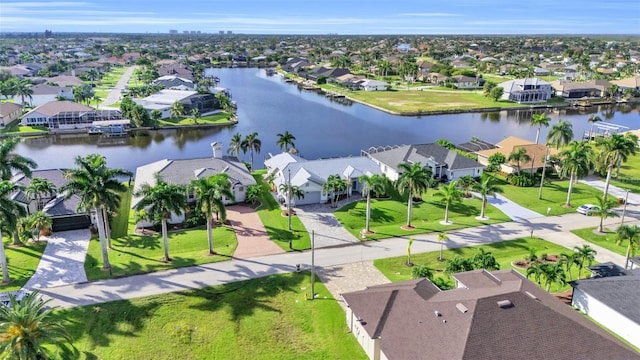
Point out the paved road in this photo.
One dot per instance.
(114, 95)
(552, 227)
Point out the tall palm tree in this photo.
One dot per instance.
(27, 325)
(584, 253)
(519, 155)
(235, 145)
(630, 147)
(96, 185)
(576, 163)
(251, 143)
(414, 180)
(372, 184)
(604, 210)
(540, 120)
(23, 89)
(486, 188)
(449, 194)
(8, 219)
(630, 234)
(211, 193)
(568, 260)
(442, 238)
(286, 140)
(11, 162)
(560, 134)
(611, 151)
(160, 201)
(39, 187)
(177, 109)
(553, 273)
(593, 119)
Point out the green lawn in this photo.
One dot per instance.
(606, 240)
(276, 224)
(505, 252)
(23, 262)
(219, 118)
(629, 177)
(264, 318)
(108, 81)
(16, 128)
(387, 216)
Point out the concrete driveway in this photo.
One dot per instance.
(511, 209)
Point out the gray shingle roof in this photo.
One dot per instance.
(422, 152)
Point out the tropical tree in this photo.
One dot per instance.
(39, 187)
(160, 201)
(195, 114)
(485, 260)
(496, 93)
(421, 272)
(414, 181)
(584, 254)
(442, 238)
(211, 193)
(630, 234)
(553, 272)
(495, 161)
(575, 163)
(333, 187)
(294, 191)
(97, 99)
(11, 162)
(177, 109)
(40, 221)
(604, 210)
(466, 183)
(457, 264)
(535, 270)
(155, 115)
(235, 145)
(612, 151)
(97, 186)
(253, 194)
(449, 193)
(27, 325)
(540, 120)
(486, 187)
(22, 88)
(593, 119)
(8, 219)
(409, 243)
(286, 140)
(560, 134)
(372, 184)
(568, 260)
(252, 144)
(519, 155)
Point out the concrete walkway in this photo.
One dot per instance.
(115, 94)
(253, 239)
(62, 262)
(510, 208)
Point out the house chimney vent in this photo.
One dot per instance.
(437, 313)
(463, 309)
(505, 304)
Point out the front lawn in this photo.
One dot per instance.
(505, 253)
(606, 240)
(387, 216)
(16, 128)
(264, 318)
(23, 262)
(629, 177)
(276, 224)
(218, 118)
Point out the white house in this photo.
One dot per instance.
(175, 82)
(43, 93)
(529, 90)
(8, 113)
(67, 115)
(372, 85)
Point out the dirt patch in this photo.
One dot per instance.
(286, 213)
(522, 264)
(405, 227)
(145, 232)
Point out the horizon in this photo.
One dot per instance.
(331, 17)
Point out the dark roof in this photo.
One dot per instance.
(620, 293)
(58, 206)
(415, 320)
(476, 145)
(420, 153)
(607, 269)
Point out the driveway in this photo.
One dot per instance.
(328, 230)
(511, 209)
(252, 237)
(634, 199)
(62, 262)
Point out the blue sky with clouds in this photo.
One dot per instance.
(327, 16)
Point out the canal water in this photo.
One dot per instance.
(322, 127)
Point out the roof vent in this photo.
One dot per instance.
(531, 295)
(444, 321)
(438, 314)
(505, 304)
(463, 309)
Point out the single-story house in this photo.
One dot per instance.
(489, 315)
(467, 82)
(311, 175)
(612, 298)
(174, 82)
(164, 99)
(628, 83)
(64, 212)
(65, 80)
(444, 163)
(182, 171)
(372, 85)
(65, 115)
(529, 90)
(44, 93)
(176, 69)
(9, 112)
(577, 90)
(536, 152)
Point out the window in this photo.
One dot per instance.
(241, 188)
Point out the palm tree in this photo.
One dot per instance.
(560, 134)
(23, 89)
(568, 260)
(372, 183)
(97, 99)
(211, 193)
(485, 260)
(39, 187)
(442, 238)
(630, 146)
(195, 113)
(27, 325)
(535, 270)
(177, 109)
(553, 273)
(285, 140)
(253, 194)
(457, 264)
(40, 221)
(414, 180)
(612, 150)
(251, 143)
(11, 162)
(584, 253)
(486, 188)
(160, 201)
(540, 120)
(8, 219)
(97, 186)
(593, 119)
(92, 75)
(576, 163)
(235, 145)
(519, 155)
(632, 235)
(466, 183)
(334, 186)
(449, 193)
(604, 210)
(155, 115)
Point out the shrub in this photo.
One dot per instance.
(196, 219)
(521, 179)
(421, 271)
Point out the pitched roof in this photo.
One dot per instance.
(54, 107)
(319, 170)
(421, 153)
(7, 108)
(630, 82)
(536, 152)
(497, 315)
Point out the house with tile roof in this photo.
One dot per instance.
(577, 90)
(44, 93)
(444, 163)
(68, 115)
(489, 315)
(182, 171)
(537, 153)
(632, 83)
(9, 112)
(524, 91)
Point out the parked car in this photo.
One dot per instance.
(587, 209)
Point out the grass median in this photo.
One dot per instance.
(605, 240)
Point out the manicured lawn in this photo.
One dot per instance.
(629, 177)
(16, 128)
(606, 240)
(23, 262)
(219, 118)
(505, 252)
(264, 318)
(108, 81)
(276, 224)
(387, 216)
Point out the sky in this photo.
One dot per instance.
(344, 17)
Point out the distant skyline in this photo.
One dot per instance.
(344, 17)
